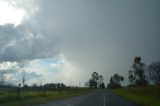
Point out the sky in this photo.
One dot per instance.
(67, 40)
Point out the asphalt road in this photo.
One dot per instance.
(96, 98)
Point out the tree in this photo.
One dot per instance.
(59, 87)
(93, 80)
(111, 80)
(154, 72)
(117, 78)
(2, 77)
(131, 77)
(100, 79)
(101, 84)
(138, 68)
(23, 77)
(92, 84)
(95, 76)
(86, 84)
(115, 81)
(19, 89)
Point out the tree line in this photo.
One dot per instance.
(144, 75)
(139, 75)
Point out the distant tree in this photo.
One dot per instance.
(55, 86)
(25, 86)
(117, 78)
(63, 86)
(23, 77)
(59, 88)
(19, 90)
(44, 90)
(138, 68)
(86, 84)
(2, 77)
(101, 84)
(115, 81)
(51, 86)
(154, 72)
(95, 76)
(34, 85)
(92, 84)
(93, 80)
(111, 80)
(100, 78)
(131, 77)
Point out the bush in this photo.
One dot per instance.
(113, 85)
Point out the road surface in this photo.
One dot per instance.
(96, 98)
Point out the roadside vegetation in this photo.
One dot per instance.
(144, 83)
(23, 94)
(36, 96)
(143, 87)
(144, 96)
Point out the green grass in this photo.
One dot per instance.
(145, 96)
(36, 97)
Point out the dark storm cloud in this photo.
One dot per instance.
(104, 36)
(101, 36)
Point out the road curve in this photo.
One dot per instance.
(101, 97)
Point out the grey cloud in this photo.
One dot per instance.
(32, 75)
(104, 36)
(22, 43)
(17, 78)
(100, 36)
(9, 71)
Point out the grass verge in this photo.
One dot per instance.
(36, 97)
(144, 96)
